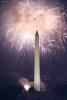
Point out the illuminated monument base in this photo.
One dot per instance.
(37, 63)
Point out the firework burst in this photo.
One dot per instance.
(24, 18)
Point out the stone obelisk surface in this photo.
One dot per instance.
(37, 63)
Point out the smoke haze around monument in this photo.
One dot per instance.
(19, 21)
(23, 18)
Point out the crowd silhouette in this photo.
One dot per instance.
(16, 92)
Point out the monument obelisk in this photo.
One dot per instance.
(37, 63)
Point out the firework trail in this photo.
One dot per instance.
(23, 19)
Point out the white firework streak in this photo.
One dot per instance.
(23, 19)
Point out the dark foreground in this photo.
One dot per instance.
(17, 93)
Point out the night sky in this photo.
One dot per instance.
(17, 63)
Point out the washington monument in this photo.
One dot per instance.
(37, 63)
